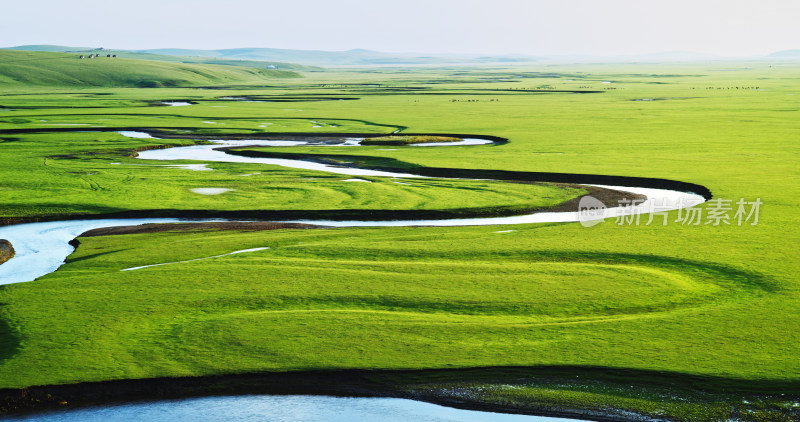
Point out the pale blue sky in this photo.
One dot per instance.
(533, 27)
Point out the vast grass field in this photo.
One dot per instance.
(688, 322)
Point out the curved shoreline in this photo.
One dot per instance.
(282, 216)
(428, 385)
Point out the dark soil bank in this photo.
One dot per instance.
(392, 165)
(222, 225)
(430, 385)
(6, 250)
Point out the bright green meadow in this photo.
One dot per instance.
(715, 301)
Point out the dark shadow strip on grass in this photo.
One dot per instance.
(741, 278)
(282, 98)
(184, 136)
(497, 140)
(9, 338)
(393, 165)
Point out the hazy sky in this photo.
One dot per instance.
(532, 27)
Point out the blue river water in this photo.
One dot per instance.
(268, 408)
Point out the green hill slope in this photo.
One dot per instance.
(67, 69)
(197, 58)
(286, 58)
(258, 64)
(322, 58)
(48, 47)
(786, 54)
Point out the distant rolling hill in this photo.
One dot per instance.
(259, 64)
(47, 47)
(25, 68)
(786, 54)
(308, 60)
(349, 57)
(143, 55)
(288, 59)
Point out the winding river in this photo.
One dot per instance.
(42, 247)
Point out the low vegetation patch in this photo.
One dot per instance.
(6, 250)
(19, 69)
(408, 140)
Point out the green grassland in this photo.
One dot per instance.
(19, 68)
(719, 303)
(217, 61)
(66, 174)
(407, 140)
(165, 57)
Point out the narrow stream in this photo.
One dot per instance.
(660, 199)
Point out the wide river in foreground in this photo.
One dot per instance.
(282, 409)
